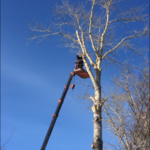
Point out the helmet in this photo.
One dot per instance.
(78, 57)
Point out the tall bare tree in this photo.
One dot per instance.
(92, 28)
(128, 109)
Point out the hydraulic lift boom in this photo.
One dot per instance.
(60, 102)
(81, 73)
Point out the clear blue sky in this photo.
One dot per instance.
(32, 80)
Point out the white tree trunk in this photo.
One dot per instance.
(97, 120)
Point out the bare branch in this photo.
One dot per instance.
(90, 29)
(139, 34)
(2, 147)
(112, 122)
(83, 47)
(106, 27)
(132, 15)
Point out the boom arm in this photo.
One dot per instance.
(60, 102)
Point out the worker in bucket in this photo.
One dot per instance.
(78, 62)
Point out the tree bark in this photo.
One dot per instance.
(97, 120)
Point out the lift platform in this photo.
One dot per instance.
(81, 73)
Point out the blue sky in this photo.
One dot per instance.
(32, 80)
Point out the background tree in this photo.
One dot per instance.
(128, 108)
(92, 28)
